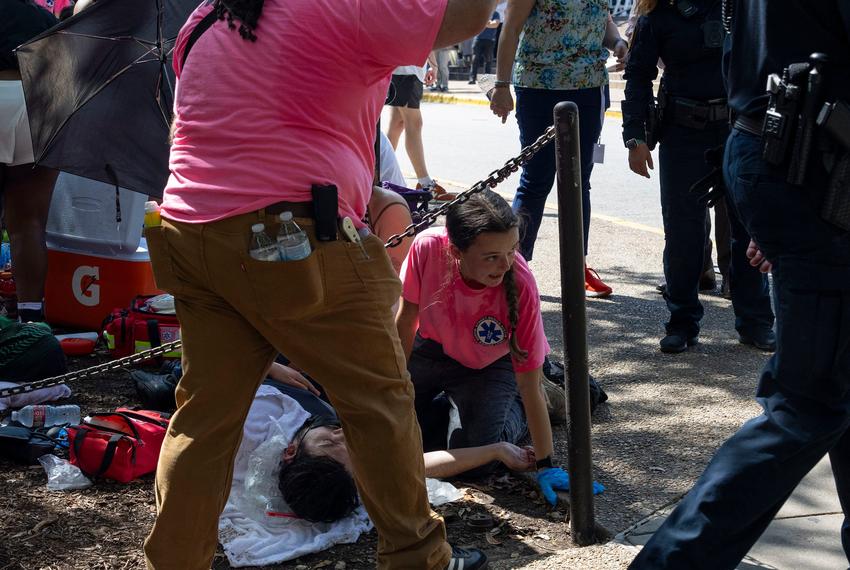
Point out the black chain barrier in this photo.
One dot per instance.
(493, 179)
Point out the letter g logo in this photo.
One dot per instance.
(84, 285)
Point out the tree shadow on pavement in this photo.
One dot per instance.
(666, 414)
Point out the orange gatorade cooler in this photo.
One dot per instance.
(83, 288)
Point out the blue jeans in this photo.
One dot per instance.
(487, 401)
(534, 109)
(681, 164)
(804, 389)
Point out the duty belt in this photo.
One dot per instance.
(697, 114)
(749, 125)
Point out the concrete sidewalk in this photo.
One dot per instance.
(804, 534)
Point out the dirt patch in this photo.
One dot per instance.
(103, 527)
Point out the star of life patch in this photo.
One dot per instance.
(489, 331)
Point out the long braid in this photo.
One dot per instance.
(513, 314)
(248, 13)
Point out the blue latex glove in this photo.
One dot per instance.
(554, 479)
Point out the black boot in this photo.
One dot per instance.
(155, 391)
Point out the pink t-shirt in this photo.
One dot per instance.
(261, 122)
(471, 324)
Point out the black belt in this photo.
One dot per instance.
(749, 125)
(298, 209)
(697, 114)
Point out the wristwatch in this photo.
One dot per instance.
(634, 143)
(545, 463)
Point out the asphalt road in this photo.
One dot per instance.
(464, 143)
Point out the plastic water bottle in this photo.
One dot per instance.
(43, 416)
(5, 255)
(263, 248)
(152, 217)
(292, 241)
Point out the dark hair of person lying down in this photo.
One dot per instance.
(247, 12)
(317, 488)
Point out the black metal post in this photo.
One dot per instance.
(571, 237)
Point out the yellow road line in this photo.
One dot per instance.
(509, 195)
(461, 100)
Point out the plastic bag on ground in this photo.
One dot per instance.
(440, 492)
(263, 500)
(61, 475)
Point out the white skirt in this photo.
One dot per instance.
(15, 138)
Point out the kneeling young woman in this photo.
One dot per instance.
(471, 327)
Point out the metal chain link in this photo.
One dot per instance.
(110, 366)
(493, 179)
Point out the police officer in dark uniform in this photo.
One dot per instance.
(687, 35)
(805, 386)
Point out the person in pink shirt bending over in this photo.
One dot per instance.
(471, 326)
(257, 133)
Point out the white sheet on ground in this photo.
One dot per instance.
(248, 542)
(249, 539)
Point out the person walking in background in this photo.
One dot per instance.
(441, 60)
(483, 48)
(696, 119)
(404, 99)
(561, 57)
(26, 189)
(245, 83)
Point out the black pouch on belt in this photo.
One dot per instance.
(325, 211)
(834, 119)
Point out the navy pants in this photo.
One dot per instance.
(534, 109)
(681, 164)
(486, 402)
(804, 388)
(482, 53)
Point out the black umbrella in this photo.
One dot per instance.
(99, 89)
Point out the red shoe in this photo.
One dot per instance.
(593, 285)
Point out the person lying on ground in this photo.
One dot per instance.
(316, 472)
(471, 327)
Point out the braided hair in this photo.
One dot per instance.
(486, 212)
(248, 13)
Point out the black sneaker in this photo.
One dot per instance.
(763, 340)
(467, 559)
(675, 343)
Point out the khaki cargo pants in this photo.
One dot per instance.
(331, 315)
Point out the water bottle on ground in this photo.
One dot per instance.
(45, 416)
(292, 241)
(263, 248)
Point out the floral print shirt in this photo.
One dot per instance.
(561, 45)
